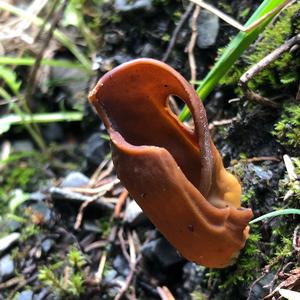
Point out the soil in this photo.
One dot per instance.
(68, 251)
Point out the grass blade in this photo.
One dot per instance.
(14, 119)
(29, 61)
(276, 213)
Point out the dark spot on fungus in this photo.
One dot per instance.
(190, 227)
(152, 149)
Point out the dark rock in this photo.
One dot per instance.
(42, 294)
(73, 82)
(53, 132)
(122, 58)
(208, 29)
(110, 275)
(7, 267)
(95, 149)
(75, 179)
(23, 145)
(148, 50)
(25, 295)
(162, 251)
(130, 6)
(113, 37)
(8, 241)
(47, 245)
(91, 227)
(192, 275)
(260, 288)
(121, 265)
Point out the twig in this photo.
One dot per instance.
(82, 208)
(296, 238)
(12, 282)
(98, 275)
(176, 31)
(260, 66)
(165, 293)
(221, 123)
(191, 45)
(100, 173)
(120, 202)
(255, 159)
(123, 246)
(94, 191)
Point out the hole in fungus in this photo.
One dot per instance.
(175, 105)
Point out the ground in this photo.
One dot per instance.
(69, 229)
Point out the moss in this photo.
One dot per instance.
(287, 129)
(65, 279)
(248, 195)
(245, 269)
(248, 263)
(283, 72)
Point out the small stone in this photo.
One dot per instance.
(110, 275)
(53, 132)
(47, 245)
(126, 6)
(25, 295)
(260, 288)
(261, 173)
(95, 149)
(113, 38)
(8, 241)
(23, 145)
(121, 265)
(7, 267)
(134, 214)
(208, 29)
(75, 179)
(162, 251)
(73, 82)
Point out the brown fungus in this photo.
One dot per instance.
(174, 173)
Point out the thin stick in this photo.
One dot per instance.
(165, 293)
(255, 159)
(260, 66)
(296, 238)
(176, 32)
(269, 58)
(120, 202)
(191, 45)
(99, 274)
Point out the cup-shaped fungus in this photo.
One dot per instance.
(174, 173)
